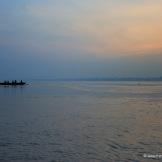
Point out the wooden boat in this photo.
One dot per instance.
(13, 83)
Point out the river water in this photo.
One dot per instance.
(94, 121)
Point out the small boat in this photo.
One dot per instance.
(13, 83)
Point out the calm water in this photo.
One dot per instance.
(81, 122)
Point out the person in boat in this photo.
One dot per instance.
(14, 82)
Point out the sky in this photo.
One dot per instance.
(80, 38)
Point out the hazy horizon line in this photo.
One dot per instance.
(102, 79)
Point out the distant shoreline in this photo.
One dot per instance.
(104, 79)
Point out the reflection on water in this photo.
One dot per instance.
(81, 122)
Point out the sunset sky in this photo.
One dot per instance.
(77, 39)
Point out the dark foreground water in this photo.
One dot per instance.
(81, 122)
